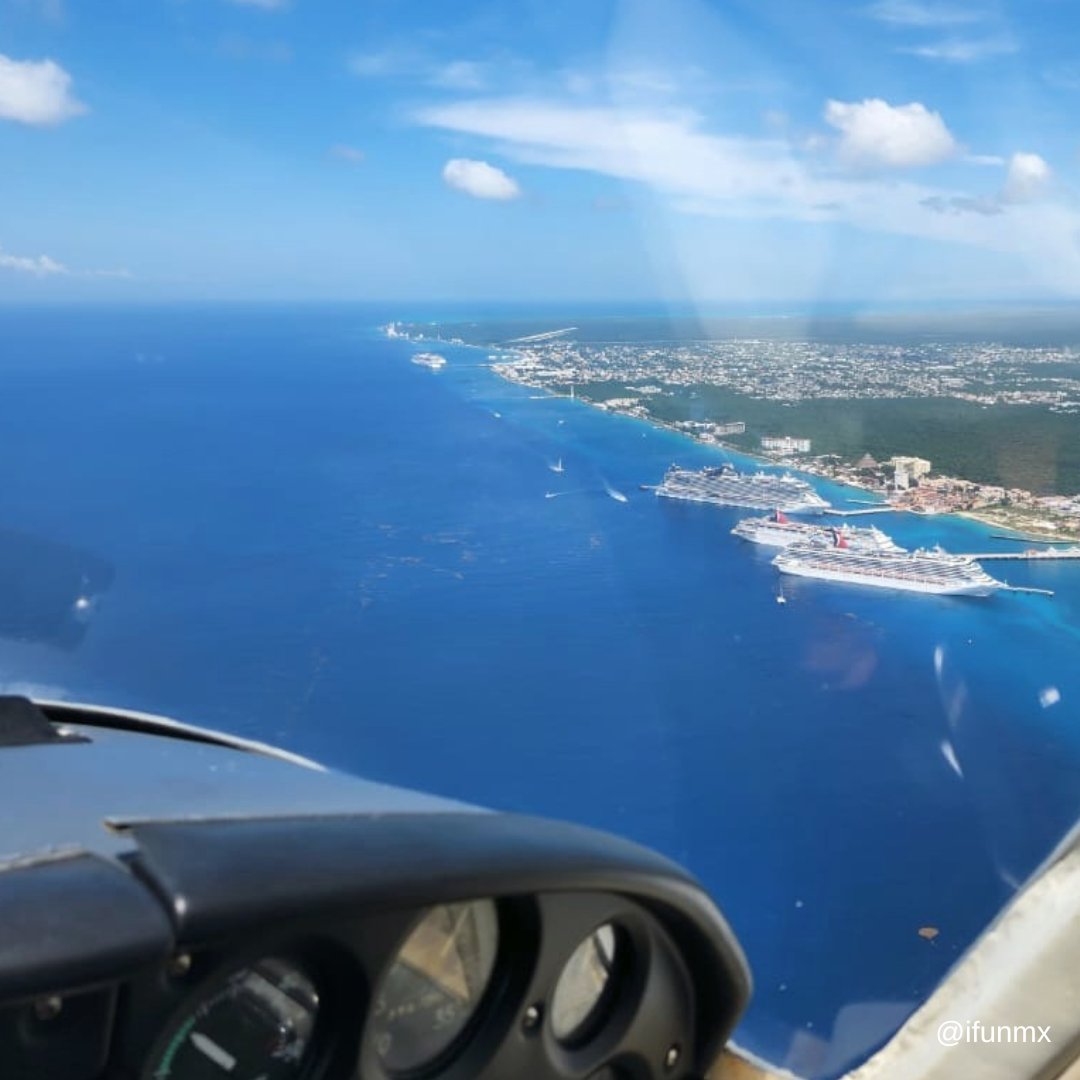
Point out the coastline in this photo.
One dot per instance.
(1034, 535)
(500, 363)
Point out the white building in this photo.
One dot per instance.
(915, 467)
(785, 444)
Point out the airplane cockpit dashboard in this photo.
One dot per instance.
(178, 904)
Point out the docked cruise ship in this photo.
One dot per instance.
(778, 530)
(724, 486)
(915, 571)
(429, 360)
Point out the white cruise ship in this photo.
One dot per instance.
(778, 530)
(724, 486)
(916, 571)
(429, 360)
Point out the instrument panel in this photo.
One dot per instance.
(551, 985)
(183, 908)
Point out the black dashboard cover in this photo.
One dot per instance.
(22, 723)
(69, 920)
(217, 877)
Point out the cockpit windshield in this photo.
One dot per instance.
(658, 414)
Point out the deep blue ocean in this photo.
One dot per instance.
(290, 531)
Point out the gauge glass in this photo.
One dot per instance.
(259, 1024)
(580, 992)
(435, 984)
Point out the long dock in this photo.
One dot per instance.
(984, 556)
(858, 513)
(1030, 539)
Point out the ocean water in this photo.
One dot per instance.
(285, 529)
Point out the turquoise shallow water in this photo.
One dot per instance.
(290, 531)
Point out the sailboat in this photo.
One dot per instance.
(557, 467)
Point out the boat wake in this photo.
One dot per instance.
(613, 493)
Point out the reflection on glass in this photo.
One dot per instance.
(580, 991)
(435, 985)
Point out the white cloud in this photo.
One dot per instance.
(479, 179)
(916, 14)
(347, 153)
(690, 170)
(873, 132)
(959, 51)
(44, 266)
(38, 265)
(1027, 178)
(36, 92)
(664, 149)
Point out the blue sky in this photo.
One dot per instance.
(756, 151)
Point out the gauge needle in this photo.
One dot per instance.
(217, 1054)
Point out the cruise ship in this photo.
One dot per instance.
(723, 486)
(778, 530)
(915, 571)
(429, 360)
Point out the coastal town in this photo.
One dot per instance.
(797, 371)
(794, 371)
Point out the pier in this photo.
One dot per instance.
(859, 513)
(983, 556)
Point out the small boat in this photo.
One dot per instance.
(557, 467)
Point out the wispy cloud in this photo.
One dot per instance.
(480, 180)
(37, 265)
(465, 75)
(44, 266)
(922, 15)
(663, 148)
(36, 92)
(461, 75)
(963, 204)
(344, 152)
(986, 38)
(963, 51)
(373, 65)
(689, 169)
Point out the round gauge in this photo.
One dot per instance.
(435, 985)
(259, 1023)
(581, 992)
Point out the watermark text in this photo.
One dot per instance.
(955, 1032)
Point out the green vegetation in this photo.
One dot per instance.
(1013, 445)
